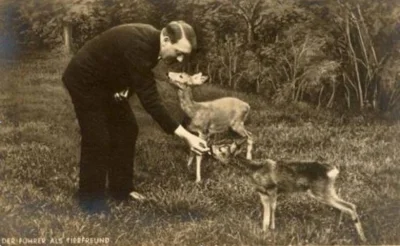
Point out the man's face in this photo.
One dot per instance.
(172, 52)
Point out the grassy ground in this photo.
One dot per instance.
(39, 150)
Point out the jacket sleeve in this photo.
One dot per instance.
(146, 89)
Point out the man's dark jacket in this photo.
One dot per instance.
(120, 58)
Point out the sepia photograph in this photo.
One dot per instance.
(199, 122)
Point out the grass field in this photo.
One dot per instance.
(39, 150)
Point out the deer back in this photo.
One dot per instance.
(220, 114)
(296, 176)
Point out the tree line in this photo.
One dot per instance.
(341, 54)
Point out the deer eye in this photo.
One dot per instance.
(180, 76)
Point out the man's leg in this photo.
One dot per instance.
(123, 130)
(95, 154)
(95, 145)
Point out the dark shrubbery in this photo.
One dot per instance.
(336, 54)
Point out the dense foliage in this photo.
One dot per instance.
(333, 53)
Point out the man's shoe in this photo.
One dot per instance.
(127, 197)
(94, 205)
(137, 196)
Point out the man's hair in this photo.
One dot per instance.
(174, 31)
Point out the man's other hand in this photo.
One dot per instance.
(122, 95)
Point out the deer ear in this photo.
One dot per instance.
(238, 146)
(234, 148)
(196, 75)
(197, 79)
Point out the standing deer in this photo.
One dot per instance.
(270, 177)
(207, 118)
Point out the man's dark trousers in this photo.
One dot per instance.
(109, 131)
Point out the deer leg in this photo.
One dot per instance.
(348, 204)
(339, 220)
(241, 130)
(354, 216)
(341, 213)
(265, 201)
(191, 158)
(250, 142)
(273, 208)
(199, 159)
(198, 168)
(334, 201)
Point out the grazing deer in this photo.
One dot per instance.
(207, 118)
(271, 177)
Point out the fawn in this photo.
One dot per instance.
(272, 177)
(207, 118)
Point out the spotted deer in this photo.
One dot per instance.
(211, 117)
(272, 177)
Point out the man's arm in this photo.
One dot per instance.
(146, 89)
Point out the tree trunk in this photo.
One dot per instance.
(347, 95)
(355, 63)
(209, 72)
(320, 96)
(221, 81)
(250, 33)
(67, 35)
(330, 102)
(258, 78)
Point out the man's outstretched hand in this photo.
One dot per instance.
(196, 144)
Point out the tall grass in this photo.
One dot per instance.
(39, 150)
